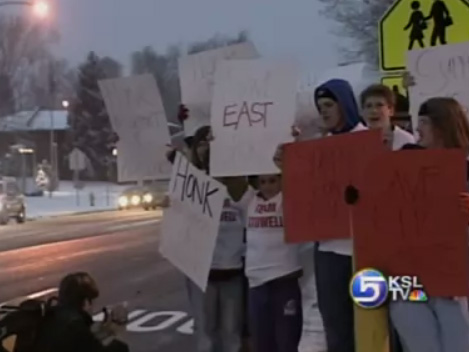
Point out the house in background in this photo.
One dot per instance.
(45, 132)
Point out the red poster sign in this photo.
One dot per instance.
(408, 220)
(316, 174)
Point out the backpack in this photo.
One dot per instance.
(25, 322)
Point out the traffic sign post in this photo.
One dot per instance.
(414, 24)
(77, 163)
(395, 83)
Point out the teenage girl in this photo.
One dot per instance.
(273, 270)
(439, 325)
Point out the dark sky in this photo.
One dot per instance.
(285, 28)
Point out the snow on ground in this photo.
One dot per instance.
(66, 200)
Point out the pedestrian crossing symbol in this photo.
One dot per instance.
(418, 24)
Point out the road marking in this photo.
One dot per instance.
(186, 328)
(42, 293)
(138, 325)
(31, 296)
(168, 319)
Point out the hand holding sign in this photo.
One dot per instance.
(190, 224)
(252, 112)
(409, 215)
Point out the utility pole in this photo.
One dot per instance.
(53, 146)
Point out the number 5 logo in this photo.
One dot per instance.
(370, 283)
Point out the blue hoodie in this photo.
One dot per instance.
(343, 92)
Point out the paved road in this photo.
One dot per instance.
(121, 251)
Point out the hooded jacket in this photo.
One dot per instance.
(343, 93)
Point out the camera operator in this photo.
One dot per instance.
(70, 327)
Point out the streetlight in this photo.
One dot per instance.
(40, 8)
(65, 104)
(114, 152)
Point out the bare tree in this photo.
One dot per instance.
(48, 83)
(358, 20)
(165, 67)
(24, 47)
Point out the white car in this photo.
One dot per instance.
(12, 204)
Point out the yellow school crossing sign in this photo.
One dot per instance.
(414, 24)
(395, 83)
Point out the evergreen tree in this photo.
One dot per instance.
(91, 129)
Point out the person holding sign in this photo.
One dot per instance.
(337, 106)
(377, 103)
(218, 312)
(440, 324)
(273, 269)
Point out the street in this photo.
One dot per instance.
(119, 249)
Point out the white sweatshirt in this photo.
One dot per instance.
(268, 257)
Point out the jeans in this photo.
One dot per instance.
(438, 325)
(333, 274)
(276, 316)
(218, 314)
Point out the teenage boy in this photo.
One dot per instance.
(378, 108)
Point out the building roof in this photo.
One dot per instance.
(38, 120)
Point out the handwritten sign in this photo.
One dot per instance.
(408, 220)
(442, 71)
(252, 113)
(137, 115)
(196, 73)
(316, 174)
(190, 225)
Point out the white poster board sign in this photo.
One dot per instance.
(441, 71)
(196, 74)
(253, 110)
(190, 225)
(137, 115)
(307, 118)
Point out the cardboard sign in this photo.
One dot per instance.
(137, 115)
(253, 109)
(441, 71)
(190, 225)
(196, 73)
(316, 174)
(408, 220)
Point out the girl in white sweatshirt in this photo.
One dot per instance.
(273, 270)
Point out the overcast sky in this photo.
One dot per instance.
(118, 27)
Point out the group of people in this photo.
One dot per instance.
(251, 248)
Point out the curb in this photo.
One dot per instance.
(72, 213)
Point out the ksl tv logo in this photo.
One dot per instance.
(369, 288)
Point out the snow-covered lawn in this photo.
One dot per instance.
(66, 200)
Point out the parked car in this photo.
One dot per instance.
(12, 203)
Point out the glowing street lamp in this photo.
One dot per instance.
(114, 152)
(65, 104)
(40, 7)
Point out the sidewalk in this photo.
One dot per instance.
(67, 201)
